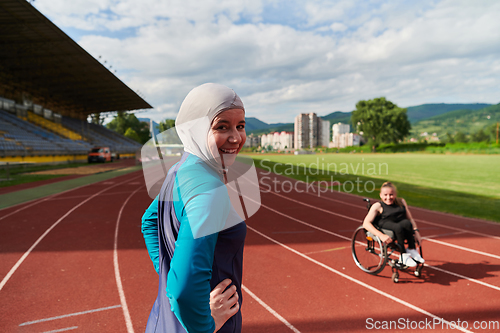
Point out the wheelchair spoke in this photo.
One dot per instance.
(371, 256)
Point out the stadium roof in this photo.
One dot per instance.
(40, 61)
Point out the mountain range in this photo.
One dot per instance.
(439, 118)
(467, 121)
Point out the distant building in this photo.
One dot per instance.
(286, 140)
(278, 140)
(340, 128)
(341, 137)
(310, 131)
(252, 141)
(324, 133)
(301, 130)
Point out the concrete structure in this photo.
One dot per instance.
(301, 130)
(286, 140)
(324, 133)
(340, 128)
(311, 131)
(278, 140)
(252, 141)
(341, 137)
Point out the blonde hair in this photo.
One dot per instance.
(391, 185)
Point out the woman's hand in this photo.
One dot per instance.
(223, 303)
(385, 239)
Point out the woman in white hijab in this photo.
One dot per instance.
(193, 234)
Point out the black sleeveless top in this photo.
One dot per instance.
(394, 212)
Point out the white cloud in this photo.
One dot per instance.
(338, 27)
(329, 58)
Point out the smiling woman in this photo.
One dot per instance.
(228, 130)
(193, 233)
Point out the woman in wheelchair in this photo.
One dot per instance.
(392, 213)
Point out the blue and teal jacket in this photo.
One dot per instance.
(192, 252)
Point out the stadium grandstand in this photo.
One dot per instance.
(49, 86)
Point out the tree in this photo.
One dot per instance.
(492, 132)
(480, 136)
(96, 118)
(166, 124)
(131, 134)
(449, 138)
(381, 121)
(123, 121)
(460, 137)
(119, 123)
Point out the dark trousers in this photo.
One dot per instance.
(402, 230)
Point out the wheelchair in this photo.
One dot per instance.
(371, 255)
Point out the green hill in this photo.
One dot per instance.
(253, 124)
(258, 127)
(431, 118)
(424, 111)
(465, 121)
(415, 113)
(338, 117)
(272, 128)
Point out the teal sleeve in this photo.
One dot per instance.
(149, 228)
(188, 281)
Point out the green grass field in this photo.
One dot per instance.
(19, 174)
(467, 185)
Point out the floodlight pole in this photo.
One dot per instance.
(157, 145)
(497, 131)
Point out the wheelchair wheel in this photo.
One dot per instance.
(369, 254)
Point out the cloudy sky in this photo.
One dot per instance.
(284, 57)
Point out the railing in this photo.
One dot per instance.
(54, 127)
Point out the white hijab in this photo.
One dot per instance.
(193, 124)
(195, 117)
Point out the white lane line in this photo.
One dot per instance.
(472, 219)
(123, 300)
(25, 255)
(86, 196)
(458, 229)
(398, 300)
(25, 207)
(465, 248)
(463, 277)
(457, 275)
(353, 219)
(294, 232)
(443, 235)
(69, 315)
(302, 222)
(317, 208)
(420, 220)
(350, 240)
(63, 329)
(330, 250)
(268, 308)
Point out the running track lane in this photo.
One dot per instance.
(71, 269)
(67, 281)
(478, 306)
(308, 301)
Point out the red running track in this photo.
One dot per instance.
(299, 275)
